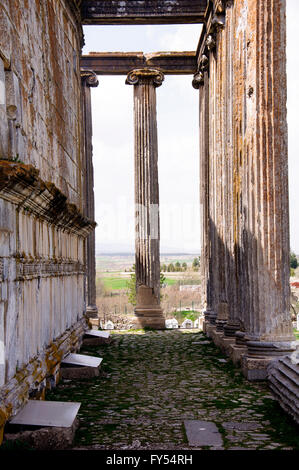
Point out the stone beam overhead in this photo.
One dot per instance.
(143, 12)
(121, 63)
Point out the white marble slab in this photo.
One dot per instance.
(98, 333)
(47, 413)
(82, 360)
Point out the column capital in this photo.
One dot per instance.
(145, 76)
(89, 78)
(198, 80)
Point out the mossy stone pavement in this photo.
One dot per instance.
(151, 381)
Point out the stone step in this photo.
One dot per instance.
(288, 405)
(283, 377)
(286, 386)
(289, 374)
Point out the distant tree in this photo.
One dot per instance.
(131, 287)
(184, 266)
(164, 268)
(196, 264)
(178, 266)
(293, 261)
(170, 268)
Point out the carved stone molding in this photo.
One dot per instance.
(198, 80)
(211, 42)
(139, 76)
(214, 21)
(21, 185)
(47, 268)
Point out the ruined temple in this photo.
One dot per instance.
(47, 244)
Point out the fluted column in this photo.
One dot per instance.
(147, 234)
(88, 80)
(264, 185)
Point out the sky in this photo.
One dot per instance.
(178, 139)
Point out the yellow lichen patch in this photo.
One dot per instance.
(4, 415)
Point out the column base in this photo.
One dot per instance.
(259, 356)
(148, 311)
(151, 317)
(220, 324)
(230, 329)
(92, 311)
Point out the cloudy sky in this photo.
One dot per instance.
(178, 135)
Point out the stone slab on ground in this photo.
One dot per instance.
(202, 434)
(96, 338)
(80, 366)
(47, 413)
(81, 360)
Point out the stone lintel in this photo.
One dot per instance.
(121, 63)
(136, 12)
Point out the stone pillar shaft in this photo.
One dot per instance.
(246, 220)
(265, 203)
(147, 235)
(89, 79)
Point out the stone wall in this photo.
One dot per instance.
(42, 229)
(40, 45)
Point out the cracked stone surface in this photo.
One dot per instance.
(151, 382)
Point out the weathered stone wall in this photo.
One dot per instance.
(242, 81)
(42, 229)
(40, 44)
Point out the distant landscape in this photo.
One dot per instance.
(114, 272)
(115, 262)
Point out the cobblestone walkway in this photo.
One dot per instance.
(152, 381)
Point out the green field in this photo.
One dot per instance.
(115, 283)
(119, 283)
(296, 333)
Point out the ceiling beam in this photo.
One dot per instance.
(142, 12)
(120, 63)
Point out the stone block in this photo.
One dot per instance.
(96, 338)
(45, 438)
(81, 372)
(255, 369)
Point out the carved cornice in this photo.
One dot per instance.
(21, 185)
(75, 8)
(214, 22)
(145, 76)
(47, 268)
(89, 78)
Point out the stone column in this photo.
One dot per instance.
(265, 217)
(88, 80)
(147, 235)
(201, 82)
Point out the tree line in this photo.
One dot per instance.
(178, 267)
